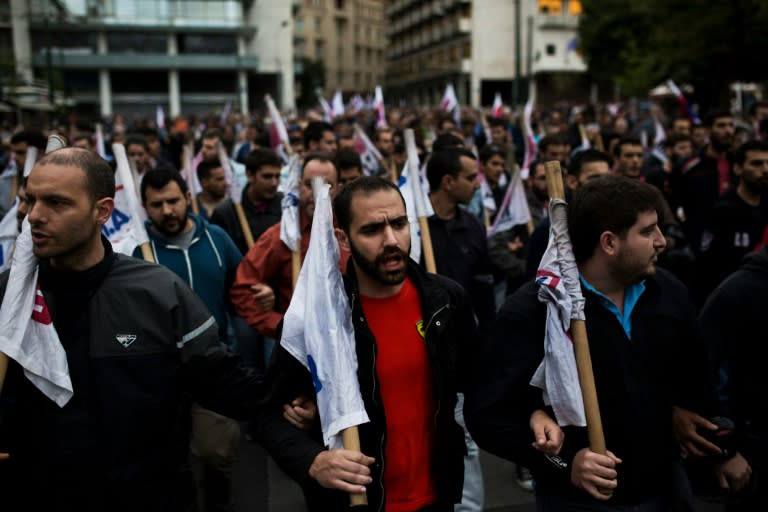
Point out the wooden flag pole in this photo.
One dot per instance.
(351, 439)
(186, 154)
(581, 343)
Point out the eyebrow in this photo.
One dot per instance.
(373, 226)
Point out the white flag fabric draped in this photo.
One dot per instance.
(560, 289)
(27, 334)
(125, 228)
(290, 229)
(318, 331)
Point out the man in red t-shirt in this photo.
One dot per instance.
(415, 334)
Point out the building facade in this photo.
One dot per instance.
(481, 47)
(348, 37)
(188, 56)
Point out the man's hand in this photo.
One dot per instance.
(344, 470)
(264, 296)
(515, 244)
(594, 472)
(4, 456)
(734, 474)
(685, 424)
(301, 412)
(547, 433)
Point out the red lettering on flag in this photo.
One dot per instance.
(40, 313)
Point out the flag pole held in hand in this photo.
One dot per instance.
(577, 326)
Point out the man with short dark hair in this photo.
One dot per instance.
(213, 185)
(137, 149)
(139, 343)
(319, 136)
(641, 329)
(349, 165)
(414, 336)
(260, 199)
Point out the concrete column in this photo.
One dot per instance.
(105, 93)
(105, 81)
(22, 46)
(242, 78)
(174, 91)
(242, 91)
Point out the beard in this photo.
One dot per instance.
(171, 227)
(375, 268)
(631, 270)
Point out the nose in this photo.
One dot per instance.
(167, 209)
(661, 242)
(389, 236)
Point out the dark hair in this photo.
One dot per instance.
(158, 178)
(740, 155)
(32, 136)
(628, 140)
(364, 185)
(757, 104)
(446, 140)
(348, 158)
(212, 133)
(446, 161)
(137, 139)
(261, 157)
(205, 167)
(320, 156)
(551, 140)
(587, 156)
(674, 138)
(379, 131)
(714, 115)
(491, 150)
(315, 130)
(100, 179)
(497, 121)
(608, 203)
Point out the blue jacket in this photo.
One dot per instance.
(208, 266)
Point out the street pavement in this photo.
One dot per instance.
(260, 486)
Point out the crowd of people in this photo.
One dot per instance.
(667, 219)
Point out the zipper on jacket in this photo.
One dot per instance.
(438, 402)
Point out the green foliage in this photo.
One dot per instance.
(311, 78)
(707, 43)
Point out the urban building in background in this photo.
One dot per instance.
(347, 37)
(482, 47)
(101, 57)
(191, 56)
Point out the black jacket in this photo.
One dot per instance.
(259, 220)
(449, 334)
(122, 440)
(733, 330)
(637, 382)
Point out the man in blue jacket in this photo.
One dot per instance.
(205, 257)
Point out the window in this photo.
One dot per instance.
(221, 44)
(340, 4)
(137, 42)
(551, 49)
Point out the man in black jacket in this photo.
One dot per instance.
(730, 324)
(641, 326)
(413, 334)
(139, 344)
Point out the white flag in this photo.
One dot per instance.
(449, 101)
(8, 232)
(514, 208)
(327, 112)
(125, 228)
(100, 148)
(369, 155)
(560, 289)
(318, 331)
(278, 133)
(290, 228)
(160, 118)
(378, 106)
(498, 106)
(27, 334)
(337, 105)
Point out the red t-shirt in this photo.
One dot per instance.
(405, 378)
